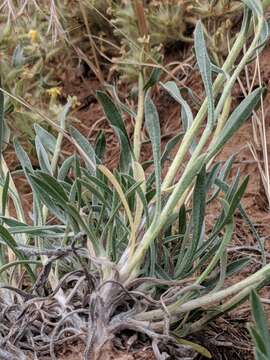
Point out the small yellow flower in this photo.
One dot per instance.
(74, 102)
(54, 92)
(33, 34)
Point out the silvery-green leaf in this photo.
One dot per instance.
(173, 90)
(264, 36)
(65, 167)
(100, 145)
(153, 79)
(18, 57)
(12, 244)
(115, 119)
(88, 151)
(42, 155)
(47, 139)
(205, 70)
(153, 128)
(5, 194)
(22, 156)
(260, 350)
(186, 113)
(261, 320)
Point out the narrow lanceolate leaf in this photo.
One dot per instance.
(229, 208)
(260, 349)
(198, 348)
(100, 145)
(235, 201)
(173, 90)
(43, 158)
(65, 168)
(18, 57)
(86, 150)
(186, 113)
(233, 187)
(50, 186)
(224, 243)
(37, 230)
(153, 128)
(120, 193)
(78, 175)
(265, 33)
(198, 214)
(170, 145)
(115, 119)
(5, 194)
(182, 220)
(235, 121)
(153, 79)
(99, 184)
(111, 112)
(22, 156)
(261, 320)
(211, 176)
(47, 139)
(125, 150)
(11, 243)
(95, 191)
(43, 197)
(260, 356)
(205, 70)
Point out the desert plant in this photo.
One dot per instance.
(28, 69)
(260, 330)
(129, 249)
(161, 24)
(114, 27)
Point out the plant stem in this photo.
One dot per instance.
(248, 54)
(139, 118)
(156, 226)
(250, 282)
(226, 307)
(190, 134)
(223, 118)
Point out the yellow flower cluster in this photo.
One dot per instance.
(54, 92)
